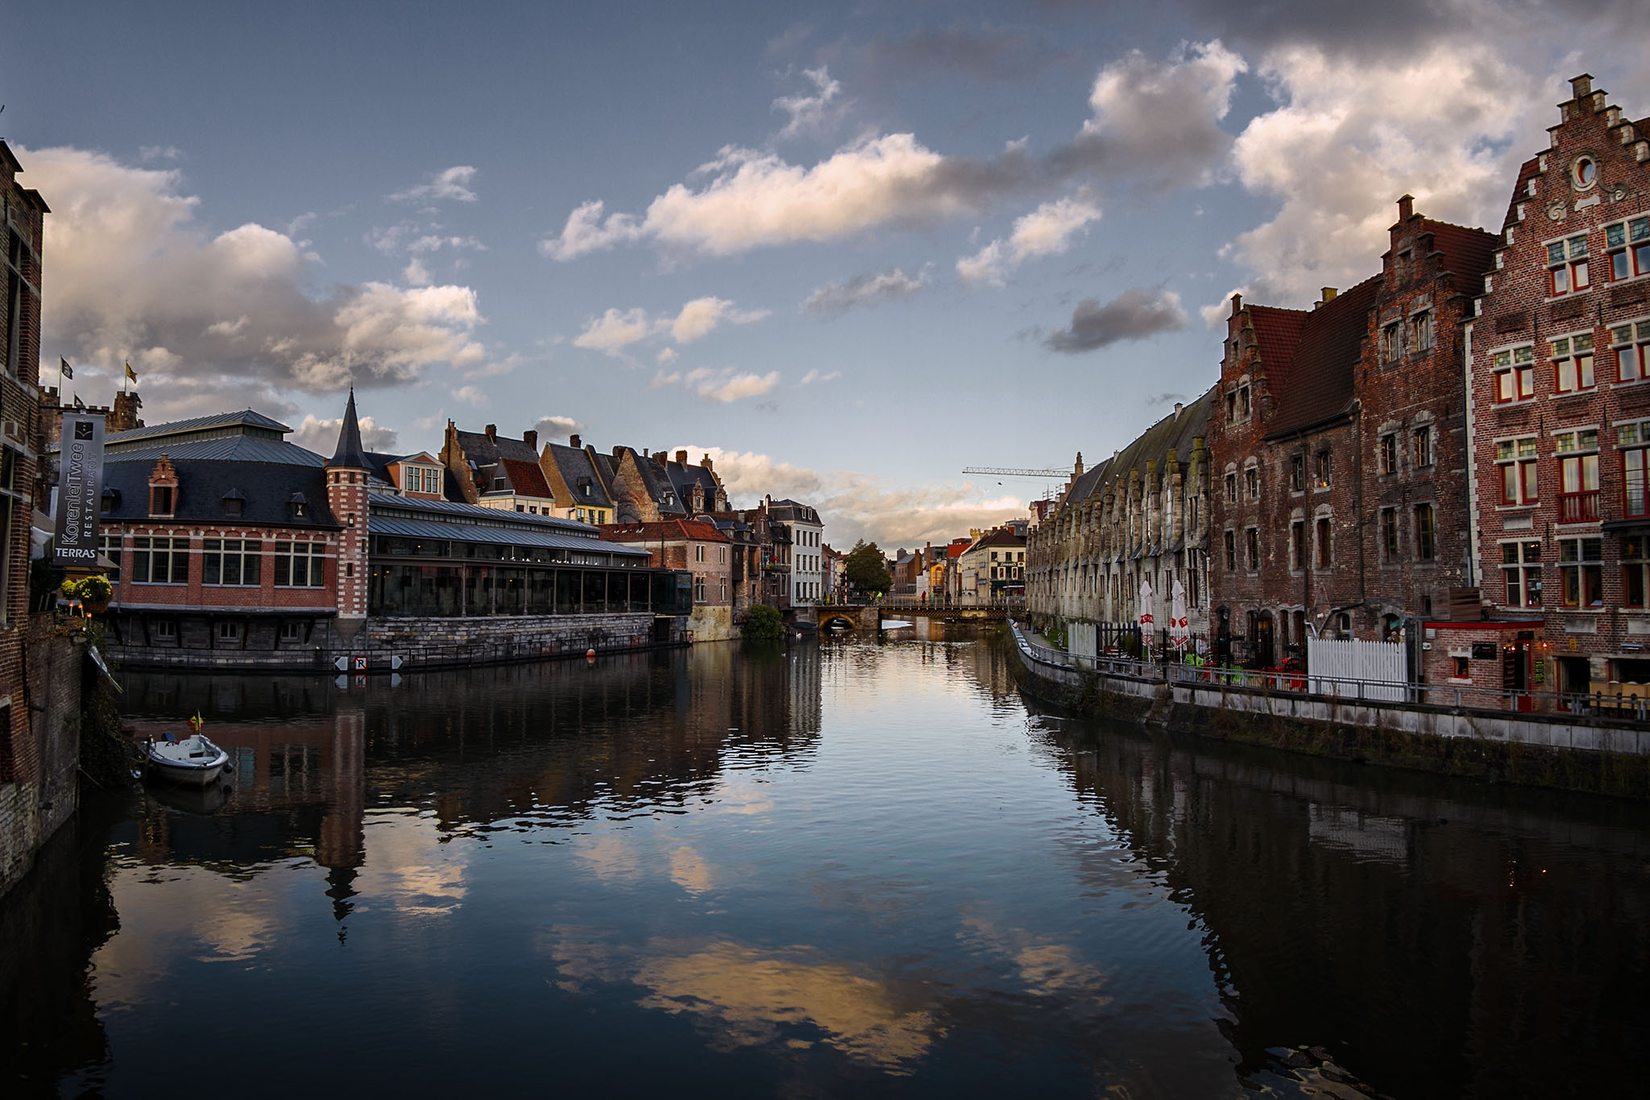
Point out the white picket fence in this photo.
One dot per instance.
(1357, 669)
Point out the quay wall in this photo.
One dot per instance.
(42, 790)
(1574, 752)
(404, 644)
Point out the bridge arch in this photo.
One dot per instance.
(826, 618)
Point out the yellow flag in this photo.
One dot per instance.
(130, 373)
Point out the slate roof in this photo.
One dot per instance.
(266, 488)
(794, 511)
(574, 464)
(402, 526)
(1315, 384)
(481, 450)
(1170, 436)
(685, 475)
(216, 423)
(458, 511)
(349, 452)
(231, 448)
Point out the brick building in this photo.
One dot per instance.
(1339, 452)
(1559, 367)
(700, 548)
(495, 471)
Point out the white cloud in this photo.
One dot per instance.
(724, 384)
(415, 273)
(586, 232)
(1159, 118)
(698, 317)
(615, 330)
(470, 395)
(857, 506)
(865, 289)
(1045, 231)
(666, 356)
(811, 113)
(816, 376)
(321, 435)
(556, 427)
(134, 274)
(451, 184)
(1447, 124)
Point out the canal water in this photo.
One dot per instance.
(845, 870)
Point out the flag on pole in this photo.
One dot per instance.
(63, 367)
(131, 375)
(78, 403)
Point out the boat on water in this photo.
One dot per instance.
(193, 761)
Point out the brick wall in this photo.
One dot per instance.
(45, 713)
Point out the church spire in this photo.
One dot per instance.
(349, 452)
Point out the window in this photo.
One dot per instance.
(698, 589)
(1573, 363)
(1389, 534)
(1426, 535)
(158, 560)
(1567, 266)
(1324, 472)
(298, 565)
(1231, 553)
(1388, 460)
(1633, 444)
(1521, 570)
(14, 513)
(1421, 336)
(1420, 449)
(164, 630)
(1577, 475)
(699, 552)
(1231, 487)
(1243, 402)
(230, 561)
(1635, 570)
(160, 500)
(292, 631)
(1297, 544)
(1514, 372)
(1516, 459)
(1628, 244)
(1581, 572)
(229, 632)
(1251, 481)
(1251, 544)
(1631, 345)
(1297, 473)
(1462, 668)
(1392, 342)
(1325, 539)
(109, 547)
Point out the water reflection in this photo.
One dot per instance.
(847, 869)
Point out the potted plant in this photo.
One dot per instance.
(93, 592)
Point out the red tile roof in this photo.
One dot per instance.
(1468, 253)
(1317, 384)
(668, 530)
(525, 477)
(1527, 171)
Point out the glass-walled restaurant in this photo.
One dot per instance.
(478, 571)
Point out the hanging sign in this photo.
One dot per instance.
(79, 490)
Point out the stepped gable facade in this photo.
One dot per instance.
(1142, 513)
(574, 475)
(1559, 369)
(496, 471)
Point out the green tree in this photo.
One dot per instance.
(764, 624)
(866, 569)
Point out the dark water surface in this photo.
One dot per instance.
(851, 871)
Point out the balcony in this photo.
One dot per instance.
(1578, 507)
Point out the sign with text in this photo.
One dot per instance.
(79, 490)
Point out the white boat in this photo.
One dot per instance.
(194, 760)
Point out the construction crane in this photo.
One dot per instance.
(1016, 471)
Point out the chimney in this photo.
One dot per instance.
(618, 451)
(1237, 304)
(1406, 207)
(705, 462)
(531, 438)
(1326, 295)
(1177, 407)
(681, 458)
(492, 432)
(1581, 86)
(573, 441)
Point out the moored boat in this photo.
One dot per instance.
(194, 761)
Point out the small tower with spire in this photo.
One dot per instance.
(347, 498)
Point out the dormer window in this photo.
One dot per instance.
(110, 500)
(234, 503)
(162, 500)
(297, 506)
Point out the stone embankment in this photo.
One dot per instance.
(1609, 755)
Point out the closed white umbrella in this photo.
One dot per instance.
(1179, 631)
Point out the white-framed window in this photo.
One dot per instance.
(108, 545)
(1567, 266)
(231, 562)
(158, 559)
(1521, 572)
(299, 564)
(1577, 452)
(1573, 363)
(698, 589)
(292, 630)
(229, 632)
(1514, 372)
(1630, 343)
(1628, 244)
(1516, 459)
(1581, 572)
(699, 552)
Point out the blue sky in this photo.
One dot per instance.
(845, 250)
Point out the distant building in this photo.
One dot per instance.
(495, 471)
(573, 473)
(806, 537)
(701, 549)
(992, 569)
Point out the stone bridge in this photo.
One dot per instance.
(867, 618)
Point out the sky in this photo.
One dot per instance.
(844, 250)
